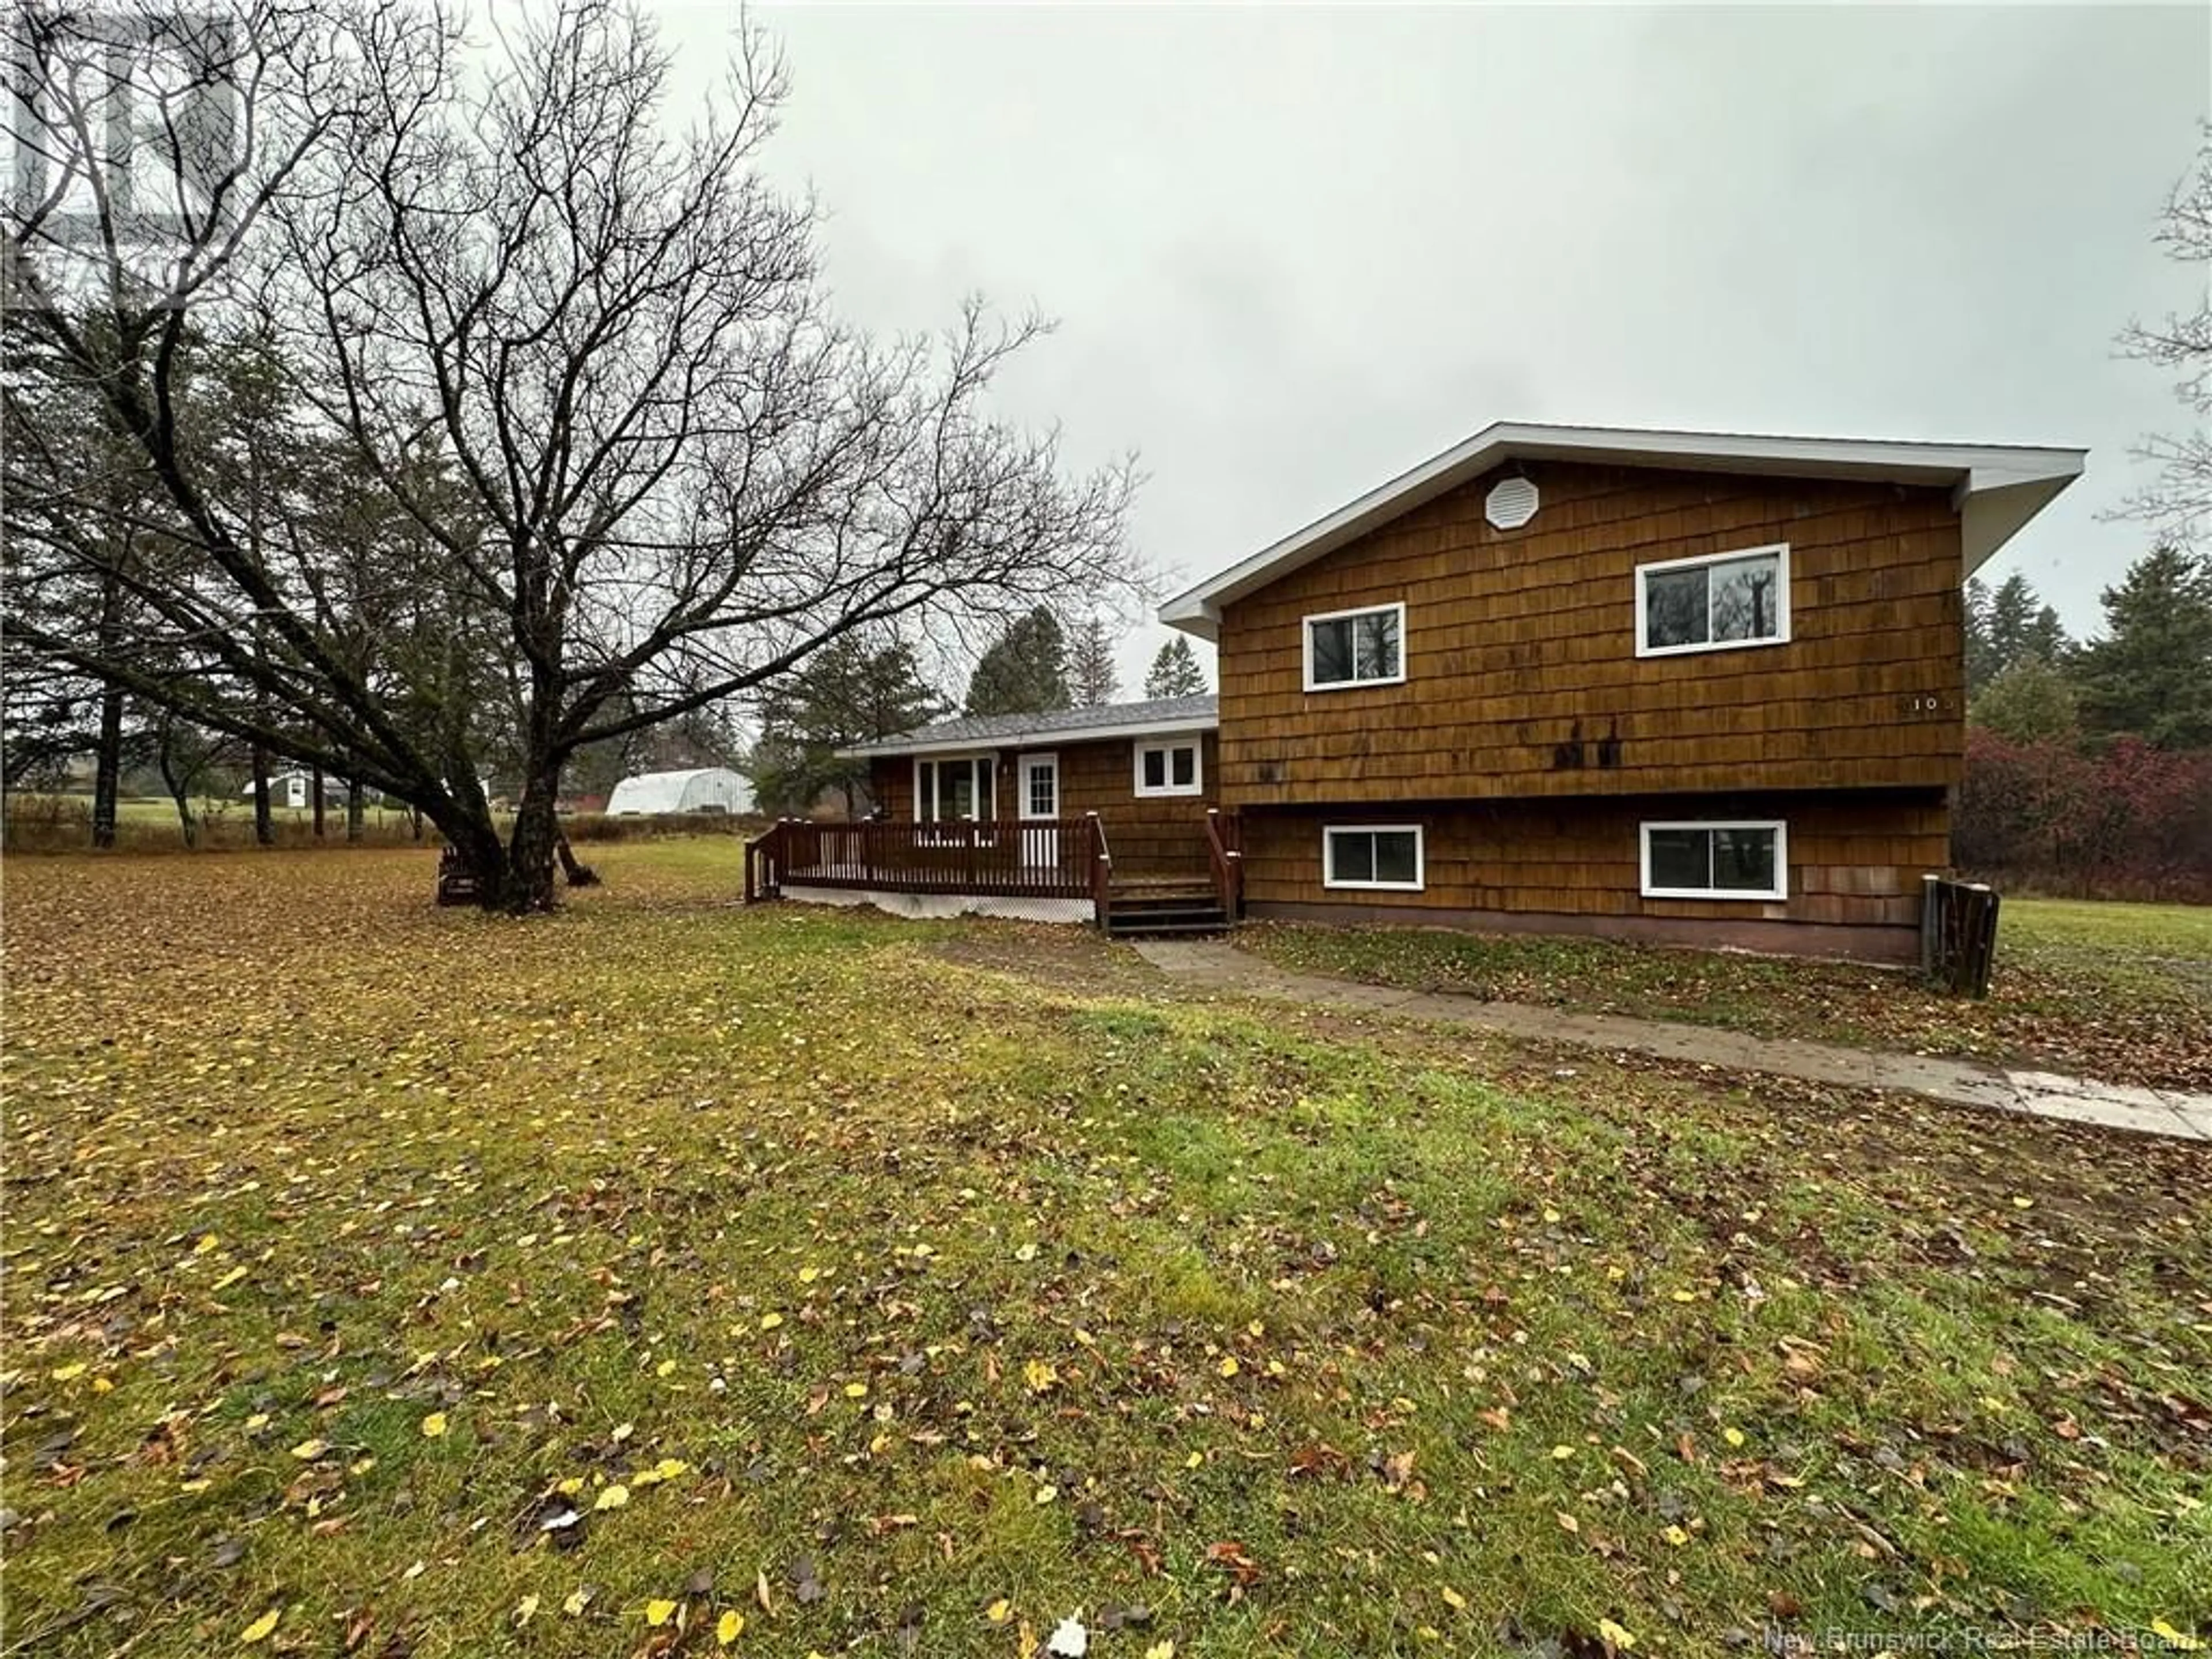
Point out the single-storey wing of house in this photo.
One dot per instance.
(1688, 687)
(1020, 814)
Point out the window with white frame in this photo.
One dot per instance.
(953, 789)
(1365, 646)
(1716, 601)
(1716, 861)
(1372, 855)
(1170, 767)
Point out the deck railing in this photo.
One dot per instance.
(1101, 874)
(1224, 852)
(1024, 858)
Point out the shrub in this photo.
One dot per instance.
(2129, 821)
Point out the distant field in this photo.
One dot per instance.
(386, 1280)
(2122, 991)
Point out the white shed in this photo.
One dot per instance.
(706, 789)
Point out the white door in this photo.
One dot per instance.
(1037, 781)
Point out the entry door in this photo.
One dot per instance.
(1037, 777)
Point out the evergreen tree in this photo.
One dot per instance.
(852, 690)
(1175, 672)
(2010, 626)
(1091, 677)
(2031, 702)
(1025, 672)
(2151, 675)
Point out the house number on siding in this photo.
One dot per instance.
(1923, 703)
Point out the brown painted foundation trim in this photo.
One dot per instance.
(1792, 938)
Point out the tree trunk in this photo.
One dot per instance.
(530, 853)
(318, 798)
(180, 787)
(107, 767)
(264, 832)
(353, 810)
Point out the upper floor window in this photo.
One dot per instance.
(1170, 768)
(1355, 648)
(1714, 602)
(1716, 861)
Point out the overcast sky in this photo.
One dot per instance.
(1294, 252)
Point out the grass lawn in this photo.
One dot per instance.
(2118, 992)
(391, 1281)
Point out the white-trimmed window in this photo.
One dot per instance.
(1387, 856)
(1173, 767)
(955, 788)
(1366, 647)
(1715, 602)
(1748, 861)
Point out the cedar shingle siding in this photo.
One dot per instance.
(1519, 644)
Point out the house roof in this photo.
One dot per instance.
(1103, 720)
(1997, 488)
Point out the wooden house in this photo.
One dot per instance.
(1685, 687)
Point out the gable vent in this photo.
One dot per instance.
(1511, 504)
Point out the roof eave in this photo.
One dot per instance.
(2008, 485)
(1037, 740)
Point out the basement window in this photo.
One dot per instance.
(1716, 601)
(1716, 861)
(1170, 768)
(1386, 856)
(1365, 646)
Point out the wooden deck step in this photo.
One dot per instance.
(1184, 908)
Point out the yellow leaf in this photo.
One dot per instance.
(577, 1601)
(229, 1279)
(1733, 1437)
(730, 1626)
(612, 1498)
(434, 1425)
(808, 1275)
(856, 1391)
(999, 1611)
(1453, 1599)
(770, 1321)
(1160, 1651)
(1026, 1642)
(1229, 1367)
(307, 1451)
(1677, 1537)
(68, 1373)
(657, 1612)
(1562, 1453)
(665, 1368)
(1196, 1459)
(571, 1486)
(2176, 1639)
(207, 1242)
(1046, 1494)
(526, 1610)
(669, 1467)
(259, 1630)
(1613, 1636)
(1040, 1376)
(1685, 1295)
(1567, 1522)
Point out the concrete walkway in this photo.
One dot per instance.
(1218, 967)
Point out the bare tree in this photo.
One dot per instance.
(2178, 500)
(664, 473)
